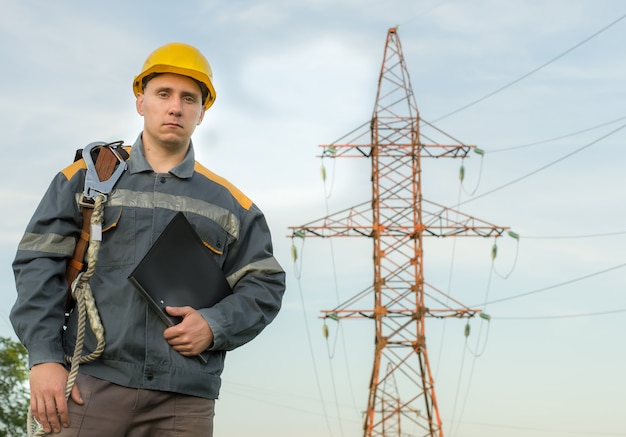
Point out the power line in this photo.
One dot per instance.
(594, 432)
(531, 72)
(311, 351)
(549, 140)
(605, 234)
(423, 12)
(550, 164)
(564, 316)
(550, 287)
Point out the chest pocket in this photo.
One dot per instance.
(118, 237)
(213, 236)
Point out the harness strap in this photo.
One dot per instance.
(105, 165)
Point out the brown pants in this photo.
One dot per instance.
(110, 410)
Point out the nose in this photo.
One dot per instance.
(176, 107)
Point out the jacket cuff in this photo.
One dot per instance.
(217, 322)
(44, 352)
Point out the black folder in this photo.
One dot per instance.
(179, 270)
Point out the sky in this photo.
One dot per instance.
(539, 86)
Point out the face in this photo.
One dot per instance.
(171, 106)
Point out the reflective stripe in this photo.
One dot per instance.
(50, 243)
(267, 265)
(140, 199)
(243, 200)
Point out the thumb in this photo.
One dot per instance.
(76, 397)
(177, 311)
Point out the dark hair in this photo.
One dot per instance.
(203, 88)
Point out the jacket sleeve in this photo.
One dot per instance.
(258, 283)
(39, 268)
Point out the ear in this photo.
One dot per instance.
(139, 104)
(201, 116)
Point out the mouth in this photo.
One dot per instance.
(173, 125)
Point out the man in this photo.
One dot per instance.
(147, 380)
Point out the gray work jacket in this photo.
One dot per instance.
(138, 209)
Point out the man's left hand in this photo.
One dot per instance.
(191, 336)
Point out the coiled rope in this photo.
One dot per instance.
(86, 307)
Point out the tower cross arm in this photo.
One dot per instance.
(355, 221)
(437, 221)
(441, 221)
(396, 149)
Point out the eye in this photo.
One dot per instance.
(189, 99)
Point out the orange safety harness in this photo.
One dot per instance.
(105, 164)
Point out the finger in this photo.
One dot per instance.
(179, 311)
(52, 411)
(183, 351)
(177, 341)
(47, 415)
(40, 414)
(76, 396)
(174, 311)
(38, 410)
(62, 412)
(172, 333)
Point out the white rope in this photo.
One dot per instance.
(86, 306)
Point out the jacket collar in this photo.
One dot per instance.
(138, 163)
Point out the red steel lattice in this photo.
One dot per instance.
(402, 398)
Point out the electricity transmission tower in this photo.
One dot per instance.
(402, 398)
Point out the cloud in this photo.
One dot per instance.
(292, 75)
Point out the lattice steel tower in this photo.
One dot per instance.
(402, 397)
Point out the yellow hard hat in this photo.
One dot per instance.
(178, 58)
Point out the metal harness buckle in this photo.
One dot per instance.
(93, 184)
